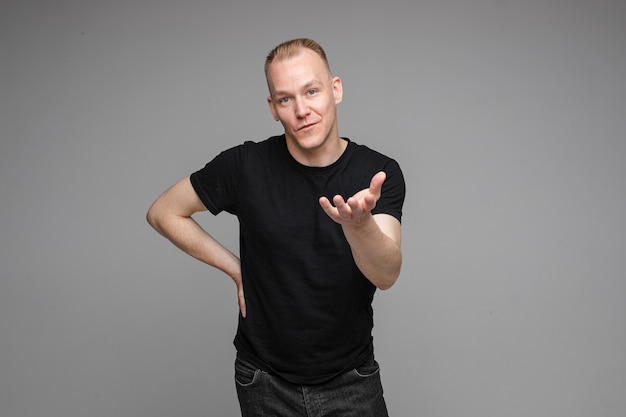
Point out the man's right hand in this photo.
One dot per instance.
(240, 296)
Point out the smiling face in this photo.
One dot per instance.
(304, 98)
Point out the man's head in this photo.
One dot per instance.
(290, 48)
(303, 97)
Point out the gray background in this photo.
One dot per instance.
(508, 118)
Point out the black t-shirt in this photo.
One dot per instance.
(309, 313)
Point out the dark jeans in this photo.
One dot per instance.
(357, 393)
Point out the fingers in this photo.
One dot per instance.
(242, 301)
(338, 209)
(325, 203)
(357, 205)
(329, 209)
(376, 185)
(345, 208)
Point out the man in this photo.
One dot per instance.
(310, 260)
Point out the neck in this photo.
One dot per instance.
(322, 156)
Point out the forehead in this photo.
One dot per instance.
(300, 69)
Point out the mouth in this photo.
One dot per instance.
(306, 126)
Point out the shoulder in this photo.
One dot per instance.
(246, 150)
(270, 143)
(364, 151)
(255, 150)
(364, 156)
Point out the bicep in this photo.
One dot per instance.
(390, 226)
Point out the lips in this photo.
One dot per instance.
(306, 126)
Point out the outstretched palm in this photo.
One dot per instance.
(355, 208)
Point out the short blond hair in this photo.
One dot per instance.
(291, 48)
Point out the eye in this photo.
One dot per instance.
(311, 92)
(283, 100)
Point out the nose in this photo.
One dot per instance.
(302, 109)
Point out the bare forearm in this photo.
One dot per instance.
(190, 237)
(377, 255)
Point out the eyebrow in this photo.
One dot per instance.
(310, 84)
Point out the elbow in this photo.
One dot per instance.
(384, 285)
(153, 218)
(391, 276)
(150, 218)
(388, 280)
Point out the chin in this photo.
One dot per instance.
(310, 141)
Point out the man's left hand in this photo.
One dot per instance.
(356, 208)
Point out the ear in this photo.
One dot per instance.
(270, 103)
(337, 89)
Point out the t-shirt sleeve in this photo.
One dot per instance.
(393, 192)
(216, 183)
